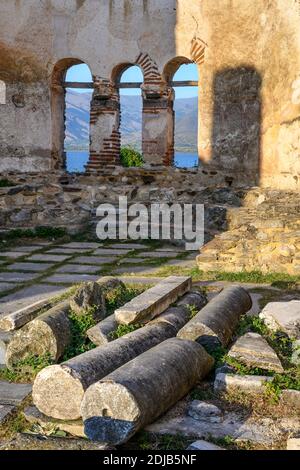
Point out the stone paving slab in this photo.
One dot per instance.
(41, 257)
(133, 260)
(142, 270)
(78, 269)
(255, 430)
(140, 280)
(27, 248)
(35, 267)
(71, 278)
(159, 254)
(82, 245)
(130, 246)
(28, 296)
(5, 412)
(13, 254)
(111, 251)
(67, 251)
(6, 286)
(181, 263)
(13, 394)
(17, 277)
(94, 260)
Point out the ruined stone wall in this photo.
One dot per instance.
(248, 56)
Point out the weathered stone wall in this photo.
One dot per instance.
(249, 65)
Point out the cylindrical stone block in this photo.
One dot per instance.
(58, 390)
(137, 393)
(216, 322)
(49, 333)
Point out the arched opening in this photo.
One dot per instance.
(2, 92)
(182, 75)
(77, 117)
(131, 111)
(71, 87)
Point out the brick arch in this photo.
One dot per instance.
(119, 69)
(173, 65)
(58, 108)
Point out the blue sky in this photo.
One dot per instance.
(81, 73)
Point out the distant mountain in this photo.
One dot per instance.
(77, 122)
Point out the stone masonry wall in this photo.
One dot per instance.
(248, 56)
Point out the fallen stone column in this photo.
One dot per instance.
(102, 332)
(134, 395)
(49, 333)
(17, 319)
(216, 322)
(5, 338)
(58, 390)
(153, 301)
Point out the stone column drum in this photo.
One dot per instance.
(134, 395)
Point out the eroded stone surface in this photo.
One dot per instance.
(254, 351)
(203, 445)
(78, 269)
(94, 260)
(34, 267)
(46, 257)
(28, 296)
(4, 286)
(33, 415)
(13, 254)
(291, 398)
(293, 444)
(5, 413)
(89, 295)
(256, 430)
(111, 251)
(13, 394)
(17, 277)
(70, 278)
(204, 411)
(245, 383)
(153, 301)
(284, 316)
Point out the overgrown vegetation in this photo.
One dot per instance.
(282, 345)
(192, 311)
(26, 370)
(279, 280)
(5, 183)
(131, 157)
(80, 343)
(124, 330)
(38, 232)
(121, 295)
(149, 441)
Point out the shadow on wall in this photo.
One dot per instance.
(237, 122)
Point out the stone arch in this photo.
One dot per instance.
(58, 109)
(172, 66)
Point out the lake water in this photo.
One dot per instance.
(77, 160)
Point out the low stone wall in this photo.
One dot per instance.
(69, 200)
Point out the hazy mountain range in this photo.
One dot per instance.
(77, 122)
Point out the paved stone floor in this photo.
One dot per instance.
(40, 270)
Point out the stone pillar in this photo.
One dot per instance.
(104, 126)
(158, 124)
(58, 155)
